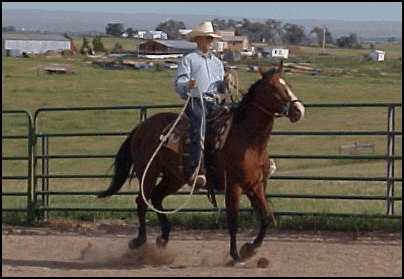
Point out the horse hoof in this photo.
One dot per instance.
(161, 242)
(247, 251)
(136, 243)
(235, 257)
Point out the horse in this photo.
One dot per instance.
(242, 165)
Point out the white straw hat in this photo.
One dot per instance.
(203, 29)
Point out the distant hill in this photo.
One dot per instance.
(68, 21)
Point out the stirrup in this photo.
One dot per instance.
(200, 181)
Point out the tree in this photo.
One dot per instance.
(97, 44)
(293, 33)
(350, 41)
(222, 24)
(171, 28)
(85, 48)
(391, 39)
(255, 31)
(114, 29)
(232, 24)
(273, 31)
(8, 29)
(131, 32)
(319, 31)
(85, 42)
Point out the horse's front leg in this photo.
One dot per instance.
(258, 200)
(232, 208)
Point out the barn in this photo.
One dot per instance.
(17, 44)
(166, 47)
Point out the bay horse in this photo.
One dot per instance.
(242, 165)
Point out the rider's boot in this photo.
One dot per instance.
(198, 178)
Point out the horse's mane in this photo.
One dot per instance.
(241, 108)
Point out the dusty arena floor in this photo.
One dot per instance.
(101, 250)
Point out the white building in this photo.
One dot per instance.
(156, 35)
(17, 44)
(377, 55)
(140, 34)
(275, 52)
(151, 35)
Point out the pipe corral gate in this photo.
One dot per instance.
(38, 199)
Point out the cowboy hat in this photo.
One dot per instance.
(203, 29)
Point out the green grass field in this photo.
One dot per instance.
(26, 86)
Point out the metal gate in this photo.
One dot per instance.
(38, 197)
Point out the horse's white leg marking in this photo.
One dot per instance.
(272, 167)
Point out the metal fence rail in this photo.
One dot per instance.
(35, 139)
(29, 194)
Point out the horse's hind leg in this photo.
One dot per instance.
(149, 183)
(141, 235)
(167, 186)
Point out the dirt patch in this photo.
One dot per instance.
(121, 256)
(56, 252)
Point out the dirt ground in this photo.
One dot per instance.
(101, 250)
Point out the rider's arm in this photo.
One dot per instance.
(182, 77)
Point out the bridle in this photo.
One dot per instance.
(286, 106)
(283, 113)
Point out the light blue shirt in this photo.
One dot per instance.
(208, 72)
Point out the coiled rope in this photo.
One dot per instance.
(163, 139)
(233, 84)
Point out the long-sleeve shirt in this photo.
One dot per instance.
(208, 72)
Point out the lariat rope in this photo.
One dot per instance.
(233, 84)
(163, 139)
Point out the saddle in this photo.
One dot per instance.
(178, 141)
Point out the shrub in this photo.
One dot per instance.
(97, 44)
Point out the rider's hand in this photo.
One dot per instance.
(192, 83)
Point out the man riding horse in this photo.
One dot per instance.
(242, 163)
(201, 77)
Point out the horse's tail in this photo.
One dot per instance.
(123, 164)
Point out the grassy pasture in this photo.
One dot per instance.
(26, 86)
(109, 43)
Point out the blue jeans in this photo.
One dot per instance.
(195, 114)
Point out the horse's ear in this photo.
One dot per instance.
(280, 67)
(261, 71)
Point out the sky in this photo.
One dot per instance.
(350, 11)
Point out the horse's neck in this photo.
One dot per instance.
(257, 126)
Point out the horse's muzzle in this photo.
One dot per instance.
(296, 111)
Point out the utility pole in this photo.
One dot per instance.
(323, 37)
